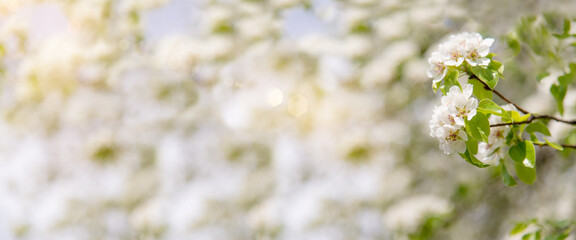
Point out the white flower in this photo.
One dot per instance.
(452, 139)
(477, 49)
(448, 122)
(466, 46)
(450, 135)
(460, 48)
(461, 104)
(453, 52)
(437, 69)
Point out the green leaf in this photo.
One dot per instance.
(451, 79)
(507, 179)
(488, 107)
(514, 43)
(472, 160)
(479, 90)
(518, 152)
(554, 145)
(490, 77)
(561, 223)
(559, 90)
(478, 127)
(443, 89)
(538, 234)
(436, 86)
(566, 27)
(472, 145)
(525, 174)
(496, 66)
(523, 153)
(527, 236)
(530, 160)
(538, 127)
(516, 117)
(519, 227)
(572, 67)
(542, 75)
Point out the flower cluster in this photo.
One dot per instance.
(460, 48)
(448, 119)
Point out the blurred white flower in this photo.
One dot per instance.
(256, 27)
(391, 26)
(381, 68)
(129, 6)
(214, 16)
(354, 16)
(408, 214)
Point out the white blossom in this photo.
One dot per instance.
(464, 47)
(469, 47)
(452, 139)
(453, 52)
(448, 119)
(477, 49)
(437, 69)
(461, 104)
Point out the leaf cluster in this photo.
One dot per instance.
(548, 230)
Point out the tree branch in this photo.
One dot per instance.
(507, 100)
(532, 116)
(563, 145)
(511, 123)
(544, 116)
(500, 95)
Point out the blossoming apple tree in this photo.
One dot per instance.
(470, 123)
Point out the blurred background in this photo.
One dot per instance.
(251, 119)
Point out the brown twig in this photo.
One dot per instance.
(544, 116)
(532, 116)
(500, 95)
(563, 145)
(510, 123)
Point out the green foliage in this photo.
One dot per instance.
(450, 80)
(478, 127)
(543, 38)
(525, 174)
(471, 150)
(516, 117)
(519, 227)
(496, 66)
(524, 156)
(559, 89)
(506, 178)
(538, 127)
(470, 158)
(487, 75)
(524, 153)
(548, 230)
(479, 91)
(487, 106)
(514, 43)
(554, 145)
